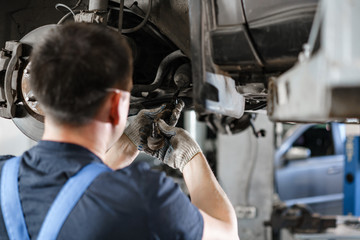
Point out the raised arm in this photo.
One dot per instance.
(219, 216)
(183, 152)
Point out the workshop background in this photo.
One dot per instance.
(12, 140)
(270, 166)
(246, 178)
(244, 166)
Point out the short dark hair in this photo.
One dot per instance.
(72, 68)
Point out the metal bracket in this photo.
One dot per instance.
(99, 17)
(231, 103)
(212, 91)
(324, 85)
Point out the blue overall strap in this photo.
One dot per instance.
(10, 201)
(66, 200)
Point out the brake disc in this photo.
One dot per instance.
(22, 106)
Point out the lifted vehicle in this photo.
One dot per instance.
(218, 55)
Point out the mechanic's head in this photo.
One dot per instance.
(76, 69)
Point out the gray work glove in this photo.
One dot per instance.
(179, 147)
(146, 117)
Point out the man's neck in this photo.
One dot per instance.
(86, 136)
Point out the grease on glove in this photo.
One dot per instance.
(179, 147)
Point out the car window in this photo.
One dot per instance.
(318, 139)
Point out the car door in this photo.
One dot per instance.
(316, 180)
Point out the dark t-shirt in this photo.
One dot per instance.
(131, 203)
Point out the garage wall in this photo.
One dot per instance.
(245, 165)
(12, 140)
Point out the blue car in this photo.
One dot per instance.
(309, 167)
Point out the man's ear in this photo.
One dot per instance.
(114, 116)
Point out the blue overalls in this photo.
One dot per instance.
(64, 202)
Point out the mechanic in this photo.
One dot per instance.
(77, 182)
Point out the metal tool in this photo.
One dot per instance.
(298, 219)
(156, 140)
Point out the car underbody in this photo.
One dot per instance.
(217, 56)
